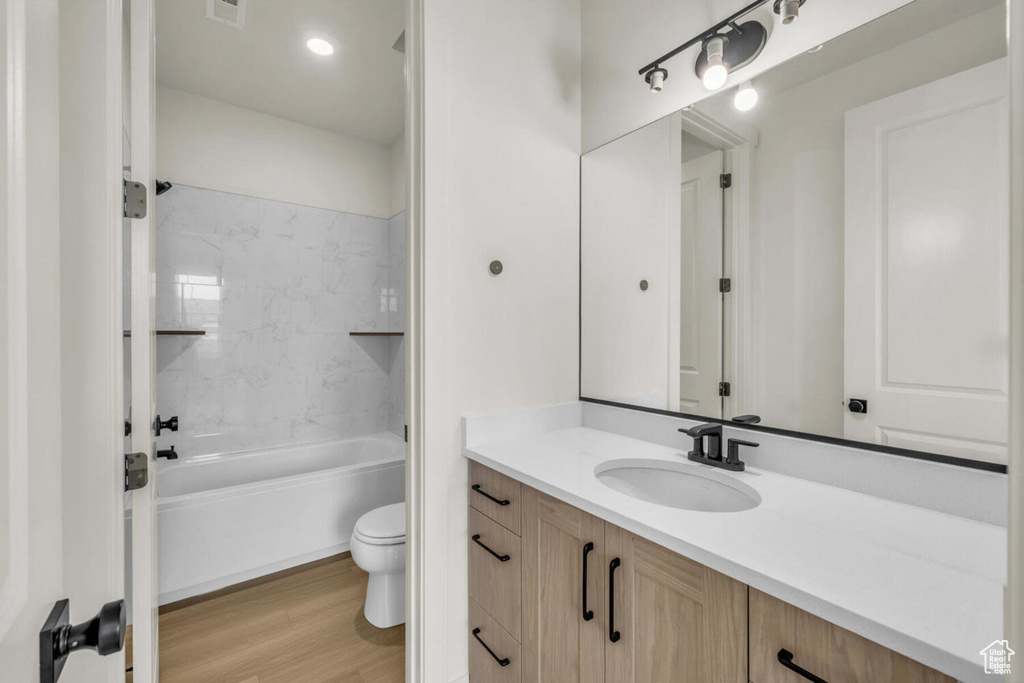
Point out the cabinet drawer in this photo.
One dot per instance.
(823, 649)
(496, 496)
(495, 571)
(484, 666)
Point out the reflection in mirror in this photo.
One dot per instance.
(833, 258)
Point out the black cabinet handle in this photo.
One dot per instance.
(504, 661)
(786, 660)
(503, 558)
(588, 614)
(613, 635)
(476, 487)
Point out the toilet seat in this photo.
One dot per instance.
(383, 526)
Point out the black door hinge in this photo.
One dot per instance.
(407, 433)
(724, 285)
(724, 389)
(134, 199)
(725, 181)
(136, 471)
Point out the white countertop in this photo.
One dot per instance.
(926, 584)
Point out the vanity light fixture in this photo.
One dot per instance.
(746, 97)
(725, 47)
(319, 46)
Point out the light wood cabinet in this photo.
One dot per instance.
(495, 571)
(494, 655)
(496, 496)
(559, 642)
(579, 600)
(676, 619)
(822, 649)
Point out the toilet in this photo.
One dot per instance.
(378, 548)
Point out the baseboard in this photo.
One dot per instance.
(168, 601)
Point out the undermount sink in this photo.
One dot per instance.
(677, 485)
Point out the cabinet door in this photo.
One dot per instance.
(494, 655)
(822, 649)
(675, 619)
(559, 644)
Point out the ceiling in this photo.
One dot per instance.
(265, 66)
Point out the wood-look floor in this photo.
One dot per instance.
(301, 626)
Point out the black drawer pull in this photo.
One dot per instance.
(503, 558)
(504, 661)
(588, 614)
(476, 487)
(786, 660)
(613, 635)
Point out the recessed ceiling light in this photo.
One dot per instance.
(319, 46)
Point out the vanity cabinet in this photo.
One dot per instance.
(821, 649)
(560, 596)
(563, 566)
(676, 620)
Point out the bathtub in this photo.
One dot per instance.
(224, 519)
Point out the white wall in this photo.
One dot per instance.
(502, 144)
(620, 37)
(210, 144)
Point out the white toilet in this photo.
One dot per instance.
(378, 547)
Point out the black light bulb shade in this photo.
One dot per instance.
(742, 45)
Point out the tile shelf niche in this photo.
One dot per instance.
(174, 333)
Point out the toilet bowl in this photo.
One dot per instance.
(378, 548)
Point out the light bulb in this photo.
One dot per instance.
(319, 46)
(656, 78)
(716, 73)
(746, 97)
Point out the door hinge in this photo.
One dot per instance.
(134, 196)
(724, 389)
(724, 285)
(136, 471)
(725, 181)
(407, 433)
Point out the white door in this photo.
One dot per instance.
(700, 302)
(143, 557)
(927, 266)
(62, 476)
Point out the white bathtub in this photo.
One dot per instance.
(229, 518)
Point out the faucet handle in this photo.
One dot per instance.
(733, 455)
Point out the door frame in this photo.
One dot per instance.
(740, 331)
(1014, 594)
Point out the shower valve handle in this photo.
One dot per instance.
(159, 425)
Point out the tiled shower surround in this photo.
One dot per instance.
(277, 288)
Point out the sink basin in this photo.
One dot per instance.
(677, 485)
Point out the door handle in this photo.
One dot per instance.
(476, 487)
(786, 660)
(159, 425)
(503, 661)
(588, 614)
(103, 634)
(502, 558)
(613, 635)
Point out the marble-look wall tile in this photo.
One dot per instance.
(277, 288)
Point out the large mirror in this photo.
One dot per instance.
(833, 260)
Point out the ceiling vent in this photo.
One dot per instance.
(230, 12)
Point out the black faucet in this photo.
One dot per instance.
(713, 431)
(713, 457)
